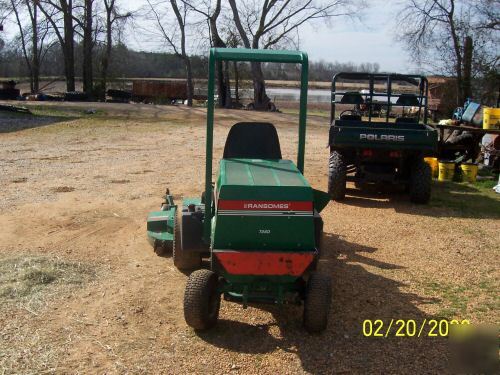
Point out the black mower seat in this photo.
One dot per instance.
(252, 140)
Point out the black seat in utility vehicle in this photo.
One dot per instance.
(350, 117)
(252, 140)
(408, 100)
(406, 120)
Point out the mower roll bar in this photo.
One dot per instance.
(249, 55)
(372, 78)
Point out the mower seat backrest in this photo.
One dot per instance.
(408, 100)
(252, 140)
(352, 97)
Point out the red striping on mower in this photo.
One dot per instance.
(264, 263)
(265, 205)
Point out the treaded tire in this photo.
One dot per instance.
(337, 172)
(317, 302)
(420, 182)
(201, 300)
(183, 260)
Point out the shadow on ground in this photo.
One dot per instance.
(448, 199)
(14, 122)
(358, 294)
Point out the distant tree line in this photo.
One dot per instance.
(127, 63)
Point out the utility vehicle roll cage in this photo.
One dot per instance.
(403, 99)
(249, 55)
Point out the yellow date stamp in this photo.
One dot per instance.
(410, 327)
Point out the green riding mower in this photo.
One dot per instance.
(259, 226)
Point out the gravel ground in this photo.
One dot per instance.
(78, 187)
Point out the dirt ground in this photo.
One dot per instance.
(76, 190)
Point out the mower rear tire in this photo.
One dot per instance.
(317, 302)
(183, 260)
(201, 300)
(420, 182)
(337, 176)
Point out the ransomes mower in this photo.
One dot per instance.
(366, 149)
(259, 225)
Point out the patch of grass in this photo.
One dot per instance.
(32, 279)
(463, 301)
(486, 184)
(470, 200)
(66, 111)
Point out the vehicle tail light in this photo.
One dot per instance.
(367, 153)
(395, 154)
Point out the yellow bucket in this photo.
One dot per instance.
(446, 170)
(469, 172)
(491, 118)
(434, 164)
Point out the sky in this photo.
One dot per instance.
(369, 40)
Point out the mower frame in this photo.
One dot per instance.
(249, 55)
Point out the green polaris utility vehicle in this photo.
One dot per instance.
(260, 226)
(380, 135)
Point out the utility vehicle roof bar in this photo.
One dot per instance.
(250, 55)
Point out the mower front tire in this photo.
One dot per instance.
(317, 302)
(201, 300)
(420, 182)
(337, 176)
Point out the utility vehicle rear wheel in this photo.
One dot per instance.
(337, 172)
(201, 300)
(317, 302)
(183, 260)
(420, 182)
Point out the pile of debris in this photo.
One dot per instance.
(9, 91)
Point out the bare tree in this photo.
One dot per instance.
(113, 18)
(32, 36)
(176, 42)
(86, 24)
(448, 36)
(489, 14)
(272, 23)
(211, 16)
(54, 11)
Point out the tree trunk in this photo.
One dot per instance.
(105, 62)
(189, 76)
(458, 55)
(223, 93)
(260, 98)
(467, 73)
(68, 47)
(236, 82)
(87, 50)
(221, 85)
(227, 83)
(35, 63)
